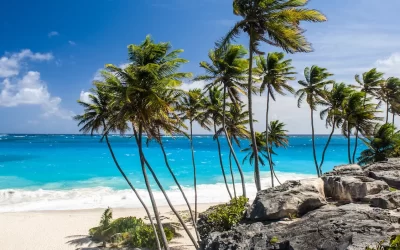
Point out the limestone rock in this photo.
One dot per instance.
(346, 170)
(385, 200)
(388, 172)
(351, 188)
(353, 226)
(292, 197)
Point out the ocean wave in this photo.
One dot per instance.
(16, 200)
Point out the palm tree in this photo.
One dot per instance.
(152, 70)
(235, 128)
(314, 92)
(381, 145)
(94, 119)
(370, 82)
(276, 23)
(274, 72)
(334, 111)
(262, 152)
(389, 93)
(192, 107)
(360, 114)
(228, 69)
(213, 111)
(278, 138)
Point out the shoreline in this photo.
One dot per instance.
(68, 229)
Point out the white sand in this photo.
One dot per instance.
(68, 230)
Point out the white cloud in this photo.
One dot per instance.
(390, 65)
(10, 64)
(31, 90)
(53, 33)
(84, 97)
(72, 43)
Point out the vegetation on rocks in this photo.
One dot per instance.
(127, 231)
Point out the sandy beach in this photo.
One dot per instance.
(68, 230)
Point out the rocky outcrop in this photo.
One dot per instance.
(351, 188)
(388, 172)
(350, 226)
(292, 198)
(348, 208)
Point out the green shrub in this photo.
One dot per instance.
(222, 217)
(127, 231)
(394, 244)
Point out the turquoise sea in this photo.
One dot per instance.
(47, 172)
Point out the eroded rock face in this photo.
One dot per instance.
(292, 197)
(388, 172)
(351, 188)
(346, 170)
(350, 226)
(385, 200)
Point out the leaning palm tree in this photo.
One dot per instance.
(313, 92)
(213, 111)
(389, 93)
(370, 82)
(95, 118)
(274, 73)
(333, 112)
(277, 23)
(381, 144)
(228, 70)
(278, 138)
(192, 107)
(152, 70)
(236, 122)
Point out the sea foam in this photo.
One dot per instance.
(16, 200)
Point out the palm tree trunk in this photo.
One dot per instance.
(355, 147)
(194, 171)
(257, 177)
(387, 111)
(132, 187)
(138, 137)
(393, 119)
(348, 142)
(180, 189)
(266, 135)
(220, 161)
(231, 170)
(135, 191)
(326, 147)
(230, 144)
(313, 141)
(171, 206)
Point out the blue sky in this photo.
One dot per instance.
(50, 51)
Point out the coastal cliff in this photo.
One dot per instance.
(348, 208)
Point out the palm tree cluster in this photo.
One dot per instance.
(146, 98)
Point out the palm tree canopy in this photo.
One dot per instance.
(275, 22)
(389, 90)
(334, 100)
(228, 68)
(192, 107)
(370, 81)
(278, 134)
(275, 72)
(142, 94)
(213, 105)
(381, 145)
(262, 150)
(236, 123)
(314, 87)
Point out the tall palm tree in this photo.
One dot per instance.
(235, 128)
(334, 112)
(152, 70)
(277, 23)
(213, 111)
(313, 92)
(370, 82)
(360, 114)
(94, 120)
(228, 70)
(274, 72)
(380, 145)
(278, 138)
(389, 93)
(192, 107)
